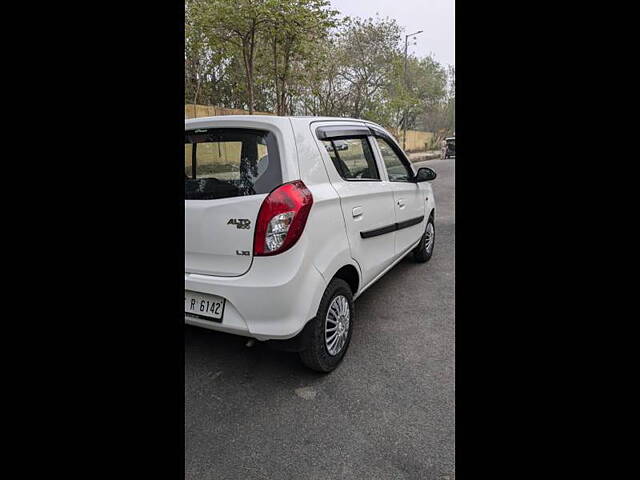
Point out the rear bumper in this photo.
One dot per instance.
(272, 301)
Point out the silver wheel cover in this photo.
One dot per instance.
(336, 325)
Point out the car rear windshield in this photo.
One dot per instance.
(223, 163)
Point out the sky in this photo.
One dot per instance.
(435, 17)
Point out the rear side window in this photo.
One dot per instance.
(223, 163)
(353, 158)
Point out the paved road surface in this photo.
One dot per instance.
(386, 413)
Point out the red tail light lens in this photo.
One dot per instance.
(282, 218)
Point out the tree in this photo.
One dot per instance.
(325, 93)
(367, 52)
(299, 57)
(238, 24)
(439, 114)
(297, 29)
(207, 62)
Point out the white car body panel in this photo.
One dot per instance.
(210, 245)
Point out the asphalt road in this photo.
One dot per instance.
(388, 412)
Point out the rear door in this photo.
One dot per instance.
(228, 173)
(409, 197)
(366, 199)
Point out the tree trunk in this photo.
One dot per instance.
(250, 82)
(283, 84)
(248, 48)
(286, 105)
(275, 75)
(249, 77)
(251, 52)
(195, 98)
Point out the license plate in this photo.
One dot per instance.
(202, 305)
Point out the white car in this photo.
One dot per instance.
(289, 219)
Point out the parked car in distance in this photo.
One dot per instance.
(313, 212)
(449, 148)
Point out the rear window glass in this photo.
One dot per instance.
(353, 158)
(223, 163)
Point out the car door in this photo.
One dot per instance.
(409, 197)
(366, 200)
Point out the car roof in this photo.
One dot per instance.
(272, 119)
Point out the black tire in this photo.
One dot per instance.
(423, 252)
(315, 354)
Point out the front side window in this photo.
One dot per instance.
(353, 158)
(397, 170)
(222, 163)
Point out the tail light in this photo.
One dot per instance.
(282, 218)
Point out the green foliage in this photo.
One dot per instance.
(297, 57)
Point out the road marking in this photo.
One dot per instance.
(308, 393)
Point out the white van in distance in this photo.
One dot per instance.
(289, 219)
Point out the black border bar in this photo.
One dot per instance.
(392, 228)
(329, 132)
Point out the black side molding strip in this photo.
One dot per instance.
(379, 231)
(410, 223)
(392, 228)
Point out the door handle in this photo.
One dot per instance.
(401, 203)
(356, 212)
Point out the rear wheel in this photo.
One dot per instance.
(329, 333)
(424, 250)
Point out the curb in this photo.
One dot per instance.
(424, 157)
